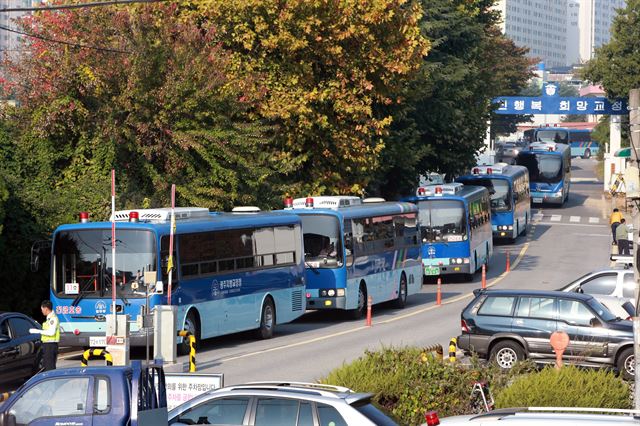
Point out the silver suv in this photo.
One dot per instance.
(281, 403)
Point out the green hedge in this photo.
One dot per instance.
(567, 387)
(410, 381)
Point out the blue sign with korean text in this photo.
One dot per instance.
(559, 105)
(551, 103)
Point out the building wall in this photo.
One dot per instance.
(596, 17)
(540, 25)
(573, 32)
(10, 42)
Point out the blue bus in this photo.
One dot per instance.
(579, 139)
(355, 250)
(233, 272)
(455, 228)
(510, 202)
(549, 166)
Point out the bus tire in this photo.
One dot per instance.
(267, 320)
(358, 312)
(587, 154)
(401, 301)
(192, 325)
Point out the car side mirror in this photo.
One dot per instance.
(594, 322)
(579, 290)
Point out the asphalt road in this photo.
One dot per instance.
(563, 244)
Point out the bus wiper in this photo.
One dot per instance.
(108, 281)
(82, 292)
(315, 270)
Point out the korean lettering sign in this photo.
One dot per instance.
(559, 105)
(182, 387)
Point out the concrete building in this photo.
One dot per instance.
(596, 17)
(540, 25)
(559, 32)
(10, 42)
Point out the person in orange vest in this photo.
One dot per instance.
(614, 221)
(50, 335)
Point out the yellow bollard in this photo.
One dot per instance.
(453, 344)
(192, 349)
(96, 353)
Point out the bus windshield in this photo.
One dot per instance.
(498, 190)
(442, 220)
(322, 243)
(542, 168)
(84, 257)
(558, 136)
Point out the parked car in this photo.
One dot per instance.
(508, 151)
(281, 403)
(553, 415)
(506, 326)
(20, 352)
(612, 287)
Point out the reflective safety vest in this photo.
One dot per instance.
(46, 325)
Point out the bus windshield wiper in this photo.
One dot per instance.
(82, 292)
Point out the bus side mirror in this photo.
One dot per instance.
(39, 249)
(7, 419)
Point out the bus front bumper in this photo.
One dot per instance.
(319, 299)
(502, 231)
(446, 269)
(547, 197)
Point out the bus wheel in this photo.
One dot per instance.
(401, 301)
(267, 320)
(192, 326)
(358, 312)
(587, 154)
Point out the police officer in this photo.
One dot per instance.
(50, 335)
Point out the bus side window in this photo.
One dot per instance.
(348, 243)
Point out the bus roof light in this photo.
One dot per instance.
(476, 171)
(309, 202)
(134, 216)
(438, 190)
(288, 202)
(489, 170)
(432, 418)
(421, 191)
(84, 217)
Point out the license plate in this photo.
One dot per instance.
(454, 238)
(98, 341)
(537, 200)
(431, 270)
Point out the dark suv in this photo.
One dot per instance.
(506, 326)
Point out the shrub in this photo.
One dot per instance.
(410, 381)
(567, 387)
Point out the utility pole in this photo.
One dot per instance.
(634, 139)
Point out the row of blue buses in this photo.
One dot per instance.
(579, 140)
(248, 270)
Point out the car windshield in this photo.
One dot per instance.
(498, 190)
(442, 220)
(322, 242)
(83, 257)
(542, 167)
(558, 136)
(601, 310)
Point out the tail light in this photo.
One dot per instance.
(432, 418)
(463, 326)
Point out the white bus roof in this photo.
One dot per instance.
(328, 202)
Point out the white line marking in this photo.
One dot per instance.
(594, 235)
(556, 217)
(574, 219)
(594, 220)
(570, 224)
(584, 180)
(538, 216)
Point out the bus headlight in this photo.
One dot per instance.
(341, 292)
(331, 293)
(510, 228)
(455, 260)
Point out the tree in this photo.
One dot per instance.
(616, 63)
(326, 66)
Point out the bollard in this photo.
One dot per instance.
(439, 293)
(508, 262)
(192, 349)
(453, 344)
(484, 275)
(96, 353)
(369, 303)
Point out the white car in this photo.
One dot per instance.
(535, 416)
(280, 403)
(611, 287)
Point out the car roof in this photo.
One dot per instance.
(4, 314)
(308, 391)
(519, 292)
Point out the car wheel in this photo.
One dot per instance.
(505, 354)
(191, 325)
(401, 301)
(267, 320)
(358, 312)
(627, 364)
(587, 154)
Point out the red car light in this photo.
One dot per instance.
(432, 418)
(464, 326)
